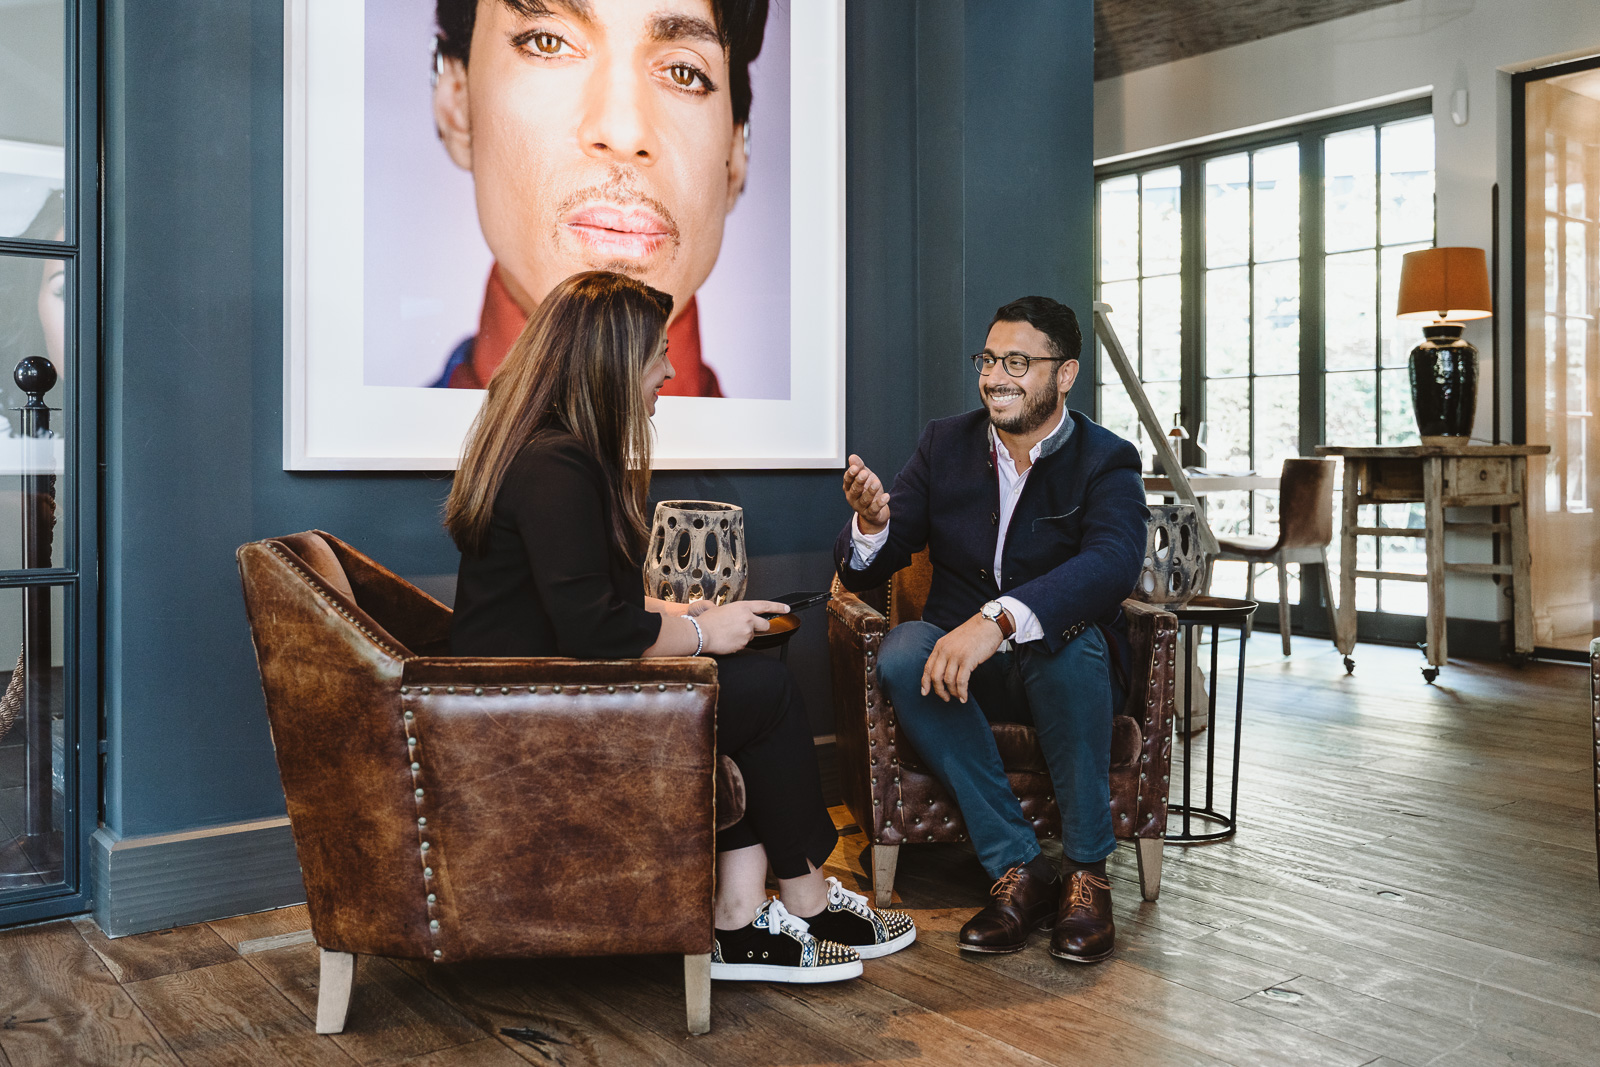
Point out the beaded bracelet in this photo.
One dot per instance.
(700, 635)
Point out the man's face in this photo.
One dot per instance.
(1022, 405)
(600, 136)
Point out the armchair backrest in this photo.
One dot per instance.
(331, 673)
(908, 590)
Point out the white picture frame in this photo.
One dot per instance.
(333, 420)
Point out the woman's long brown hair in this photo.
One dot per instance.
(578, 366)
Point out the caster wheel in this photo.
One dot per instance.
(1349, 665)
(1429, 674)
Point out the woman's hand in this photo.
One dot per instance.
(729, 627)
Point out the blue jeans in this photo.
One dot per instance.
(1067, 697)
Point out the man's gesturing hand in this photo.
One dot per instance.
(956, 655)
(864, 492)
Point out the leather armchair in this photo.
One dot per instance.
(897, 802)
(449, 809)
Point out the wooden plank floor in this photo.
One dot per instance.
(1414, 883)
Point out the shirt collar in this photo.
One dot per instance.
(1050, 444)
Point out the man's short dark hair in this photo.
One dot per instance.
(1050, 317)
(740, 23)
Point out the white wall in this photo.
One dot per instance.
(1420, 45)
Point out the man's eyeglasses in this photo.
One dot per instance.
(1015, 365)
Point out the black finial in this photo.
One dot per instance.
(35, 376)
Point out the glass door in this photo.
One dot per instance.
(1560, 234)
(48, 332)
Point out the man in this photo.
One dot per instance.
(1035, 522)
(601, 135)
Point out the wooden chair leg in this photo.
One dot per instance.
(1283, 604)
(1149, 850)
(697, 991)
(333, 990)
(884, 859)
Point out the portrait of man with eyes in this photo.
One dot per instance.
(599, 134)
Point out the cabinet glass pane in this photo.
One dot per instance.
(1277, 418)
(1352, 408)
(33, 110)
(1228, 423)
(1399, 425)
(1277, 207)
(1163, 309)
(1162, 230)
(1350, 166)
(1407, 180)
(1228, 321)
(36, 767)
(1228, 210)
(34, 306)
(1350, 329)
(1277, 317)
(1119, 228)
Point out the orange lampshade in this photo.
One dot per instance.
(1444, 284)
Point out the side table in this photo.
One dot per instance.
(783, 628)
(1216, 613)
(1471, 476)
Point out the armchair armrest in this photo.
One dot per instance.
(863, 726)
(1153, 636)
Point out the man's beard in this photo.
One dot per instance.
(1035, 409)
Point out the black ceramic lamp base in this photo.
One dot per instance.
(1444, 386)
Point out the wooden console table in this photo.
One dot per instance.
(1474, 476)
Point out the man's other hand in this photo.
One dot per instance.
(956, 655)
(863, 490)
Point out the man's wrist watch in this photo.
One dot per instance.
(996, 613)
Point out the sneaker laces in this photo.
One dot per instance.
(1007, 884)
(839, 895)
(779, 920)
(1078, 893)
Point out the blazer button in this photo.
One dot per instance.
(983, 574)
(994, 518)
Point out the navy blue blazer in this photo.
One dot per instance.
(1074, 547)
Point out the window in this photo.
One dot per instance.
(1253, 283)
(48, 490)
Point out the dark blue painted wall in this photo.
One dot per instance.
(969, 183)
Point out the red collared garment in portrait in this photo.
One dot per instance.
(476, 359)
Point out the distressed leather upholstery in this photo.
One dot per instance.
(452, 809)
(896, 801)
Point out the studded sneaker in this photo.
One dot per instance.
(849, 920)
(778, 947)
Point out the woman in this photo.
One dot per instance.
(548, 509)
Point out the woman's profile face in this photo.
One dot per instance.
(657, 373)
(53, 310)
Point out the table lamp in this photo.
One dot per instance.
(1444, 287)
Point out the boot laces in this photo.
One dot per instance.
(1079, 893)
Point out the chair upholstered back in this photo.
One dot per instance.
(1305, 503)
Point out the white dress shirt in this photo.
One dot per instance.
(866, 547)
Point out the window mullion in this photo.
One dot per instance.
(1191, 389)
(1312, 263)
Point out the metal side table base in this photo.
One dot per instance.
(1216, 613)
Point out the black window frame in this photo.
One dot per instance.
(1191, 159)
(78, 537)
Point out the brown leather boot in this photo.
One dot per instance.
(1024, 901)
(1084, 931)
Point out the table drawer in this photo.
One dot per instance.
(1469, 476)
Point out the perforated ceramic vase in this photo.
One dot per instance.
(696, 552)
(1174, 566)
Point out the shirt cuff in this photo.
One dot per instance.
(866, 546)
(1028, 626)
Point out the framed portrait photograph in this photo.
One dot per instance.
(447, 162)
